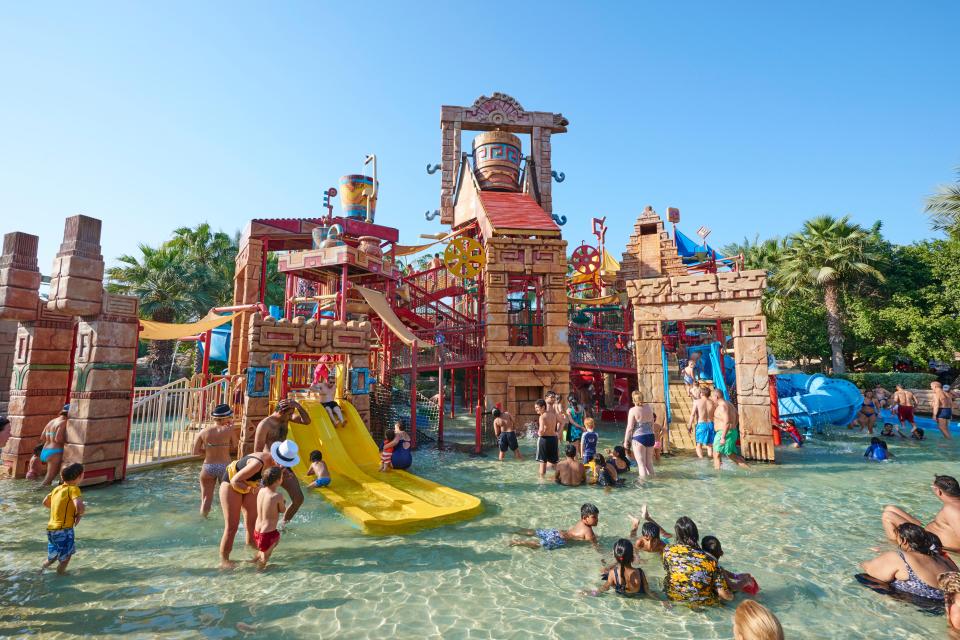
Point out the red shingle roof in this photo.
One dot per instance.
(507, 210)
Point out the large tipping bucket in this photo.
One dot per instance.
(496, 158)
(352, 198)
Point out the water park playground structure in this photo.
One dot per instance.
(505, 308)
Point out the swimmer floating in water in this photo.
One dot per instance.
(554, 538)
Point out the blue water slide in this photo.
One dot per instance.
(666, 382)
(817, 401)
(710, 369)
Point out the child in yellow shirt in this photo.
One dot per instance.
(66, 508)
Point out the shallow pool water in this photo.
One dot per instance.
(146, 561)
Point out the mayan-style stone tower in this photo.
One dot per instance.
(78, 347)
(662, 290)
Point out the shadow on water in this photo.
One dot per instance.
(214, 620)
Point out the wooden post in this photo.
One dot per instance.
(289, 292)
(413, 395)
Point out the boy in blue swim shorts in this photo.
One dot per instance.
(318, 468)
(702, 415)
(550, 539)
(66, 507)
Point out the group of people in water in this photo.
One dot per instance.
(903, 404)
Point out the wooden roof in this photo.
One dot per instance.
(517, 213)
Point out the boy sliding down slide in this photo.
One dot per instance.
(318, 468)
(554, 538)
(326, 390)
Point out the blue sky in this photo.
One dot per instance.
(749, 117)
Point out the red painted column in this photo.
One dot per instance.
(343, 294)
(413, 395)
(453, 392)
(478, 436)
(440, 411)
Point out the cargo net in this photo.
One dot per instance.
(390, 403)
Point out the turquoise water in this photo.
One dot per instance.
(146, 561)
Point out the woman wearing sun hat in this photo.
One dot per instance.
(217, 444)
(238, 491)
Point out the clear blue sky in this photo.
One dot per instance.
(749, 117)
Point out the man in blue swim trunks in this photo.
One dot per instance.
(702, 416)
(942, 409)
(551, 539)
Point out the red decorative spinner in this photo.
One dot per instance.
(585, 259)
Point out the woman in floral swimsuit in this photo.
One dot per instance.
(692, 576)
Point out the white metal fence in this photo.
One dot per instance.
(166, 420)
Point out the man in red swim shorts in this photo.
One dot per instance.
(906, 402)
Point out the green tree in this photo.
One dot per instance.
(826, 256)
(943, 207)
(164, 280)
(213, 253)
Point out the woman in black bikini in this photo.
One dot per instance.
(626, 580)
(868, 412)
(618, 457)
(238, 494)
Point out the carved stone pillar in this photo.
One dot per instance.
(648, 338)
(19, 282)
(105, 353)
(76, 284)
(753, 392)
(246, 290)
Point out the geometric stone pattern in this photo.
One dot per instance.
(246, 291)
(76, 282)
(509, 367)
(266, 336)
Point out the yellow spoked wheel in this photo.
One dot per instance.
(464, 257)
(585, 259)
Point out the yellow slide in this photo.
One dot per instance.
(390, 502)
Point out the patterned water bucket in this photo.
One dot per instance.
(319, 234)
(496, 159)
(352, 200)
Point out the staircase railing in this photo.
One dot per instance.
(164, 423)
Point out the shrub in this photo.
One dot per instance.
(890, 380)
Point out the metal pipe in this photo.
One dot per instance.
(372, 196)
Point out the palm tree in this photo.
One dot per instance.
(943, 207)
(757, 254)
(828, 254)
(214, 254)
(164, 280)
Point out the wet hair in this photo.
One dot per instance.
(316, 456)
(875, 441)
(711, 545)
(37, 449)
(71, 472)
(887, 425)
(272, 475)
(283, 405)
(571, 451)
(650, 530)
(687, 532)
(947, 484)
(919, 435)
(541, 403)
(919, 539)
(623, 553)
(398, 426)
(600, 460)
(949, 583)
(588, 509)
(754, 621)
(496, 413)
(590, 422)
(390, 434)
(620, 452)
(637, 397)
(882, 444)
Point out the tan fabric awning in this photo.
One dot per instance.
(382, 308)
(166, 331)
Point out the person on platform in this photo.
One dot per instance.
(905, 402)
(217, 444)
(54, 437)
(942, 409)
(273, 429)
(691, 372)
(945, 525)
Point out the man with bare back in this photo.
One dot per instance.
(946, 524)
(942, 409)
(548, 442)
(725, 442)
(273, 429)
(906, 402)
(702, 416)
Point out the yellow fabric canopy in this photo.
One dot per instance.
(610, 266)
(382, 308)
(592, 302)
(166, 331)
(401, 250)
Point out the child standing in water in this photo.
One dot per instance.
(66, 508)
(554, 538)
(35, 467)
(269, 507)
(318, 468)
